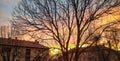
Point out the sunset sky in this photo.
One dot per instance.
(6, 8)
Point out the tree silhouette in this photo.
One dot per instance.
(9, 32)
(9, 53)
(63, 21)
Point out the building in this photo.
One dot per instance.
(93, 53)
(20, 50)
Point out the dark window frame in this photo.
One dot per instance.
(28, 53)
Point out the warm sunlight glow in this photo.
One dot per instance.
(54, 52)
(85, 45)
(56, 49)
(107, 18)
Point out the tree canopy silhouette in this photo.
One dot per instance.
(63, 21)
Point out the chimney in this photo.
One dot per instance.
(9, 38)
(16, 38)
(37, 42)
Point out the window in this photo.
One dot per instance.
(27, 58)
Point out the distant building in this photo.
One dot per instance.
(94, 53)
(20, 50)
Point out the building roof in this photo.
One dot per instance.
(20, 43)
(92, 49)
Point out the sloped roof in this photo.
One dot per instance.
(92, 49)
(20, 43)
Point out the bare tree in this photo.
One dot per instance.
(9, 32)
(41, 56)
(93, 10)
(53, 19)
(112, 36)
(9, 53)
(63, 21)
(4, 30)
